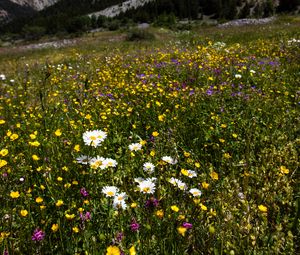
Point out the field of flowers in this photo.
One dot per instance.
(188, 148)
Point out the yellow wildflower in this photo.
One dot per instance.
(174, 208)
(184, 172)
(34, 144)
(3, 163)
(35, 157)
(32, 136)
(59, 203)
(77, 148)
(143, 142)
(39, 200)
(14, 194)
(181, 217)
(113, 250)
(263, 208)
(70, 216)
(133, 205)
(226, 155)
(58, 132)
(23, 213)
(186, 154)
(161, 117)
(197, 164)
(75, 229)
(284, 170)
(132, 250)
(214, 175)
(54, 227)
(14, 137)
(3, 152)
(155, 133)
(160, 214)
(203, 207)
(205, 185)
(88, 116)
(181, 230)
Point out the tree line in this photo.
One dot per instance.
(69, 16)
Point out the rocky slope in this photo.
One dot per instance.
(117, 9)
(35, 4)
(10, 9)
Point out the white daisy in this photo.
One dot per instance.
(181, 185)
(173, 181)
(108, 162)
(83, 159)
(148, 167)
(147, 187)
(169, 160)
(97, 162)
(178, 183)
(2, 77)
(110, 191)
(135, 146)
(190, 173)
(94, 137)
(119, 201)
(195, 192)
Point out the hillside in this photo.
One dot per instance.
(10, 10)
(35, 4)
(77, 16)
(187, 144)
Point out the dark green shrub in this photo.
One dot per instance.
(139, 35)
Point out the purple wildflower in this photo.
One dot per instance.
(86, 216)
(134, 226)
(83, 192)
(187, 225)
(209, 92)
(38, 235)
(152, 202)
(192, 92)
(119, 236)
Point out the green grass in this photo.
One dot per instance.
(222, 103)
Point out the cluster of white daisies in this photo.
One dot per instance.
(147, 186)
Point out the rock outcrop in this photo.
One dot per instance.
(35, 4)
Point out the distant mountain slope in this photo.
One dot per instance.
(72, 16)
(115, 10)
(79, 7)
(10, 10)
(35, 4)
(53, 18)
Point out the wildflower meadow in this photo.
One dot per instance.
(188, 145)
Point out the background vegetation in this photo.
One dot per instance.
(213, 109)
(59, 19)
